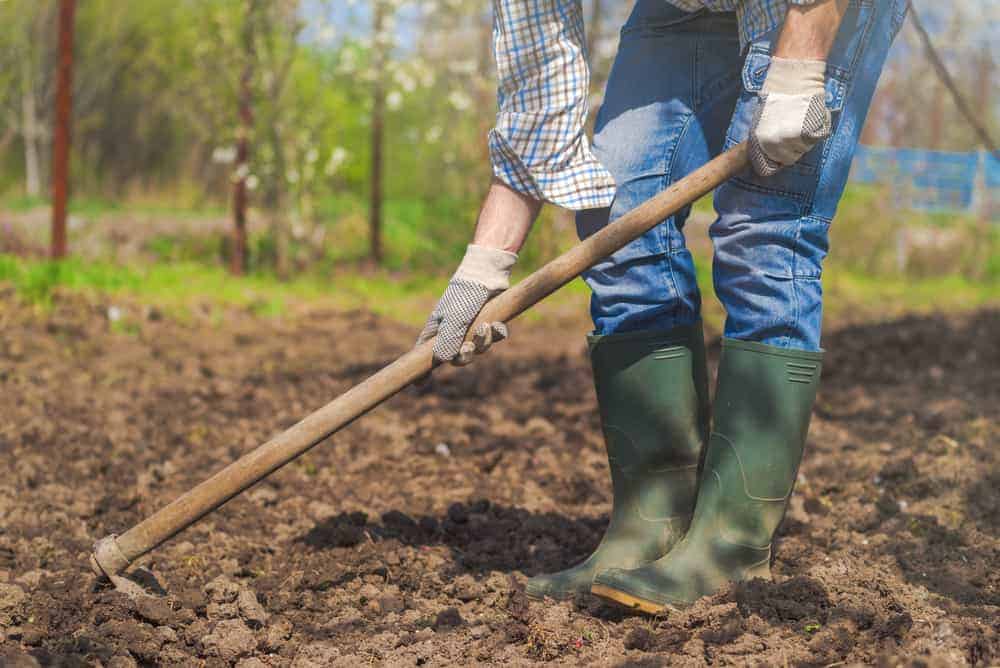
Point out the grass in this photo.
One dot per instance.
(178, 287)
(92, 207)
(424, 240)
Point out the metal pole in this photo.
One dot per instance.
(63, 121)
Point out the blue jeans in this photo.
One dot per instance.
(679, 93)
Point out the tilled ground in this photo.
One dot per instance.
(407, 538)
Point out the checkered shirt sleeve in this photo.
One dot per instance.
(539, 145)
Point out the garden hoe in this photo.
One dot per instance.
(113, 554)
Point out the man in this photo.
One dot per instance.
(693, 508)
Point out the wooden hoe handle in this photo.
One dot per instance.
(114, 553)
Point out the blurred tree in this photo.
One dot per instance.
(238, 260)
(381, 43)
(62, 130)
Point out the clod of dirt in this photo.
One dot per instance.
(725, 624)
(250, 609)
(448, 618)
(465, 588)
(229, 640)
(222, 590)
(639, 638)
(156, 611)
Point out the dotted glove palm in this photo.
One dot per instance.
(483, 274)
(792, 116)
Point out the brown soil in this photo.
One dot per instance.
(406, 540)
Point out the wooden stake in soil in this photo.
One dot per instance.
(114, 553)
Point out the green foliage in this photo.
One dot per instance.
(871, 237)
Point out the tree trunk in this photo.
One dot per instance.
(238, 260)
(378, 133)
(30, 132)
(63, 119)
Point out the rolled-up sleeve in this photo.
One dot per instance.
(539, 145)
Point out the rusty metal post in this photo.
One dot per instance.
(61, 134)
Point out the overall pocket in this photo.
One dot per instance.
(841, 65)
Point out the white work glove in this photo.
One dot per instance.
(792, 116)
(483, 274)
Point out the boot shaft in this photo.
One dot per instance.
(652, 392)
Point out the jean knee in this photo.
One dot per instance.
(767, 274)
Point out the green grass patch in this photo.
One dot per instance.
(177, 287)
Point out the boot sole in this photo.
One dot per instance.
(630, 601)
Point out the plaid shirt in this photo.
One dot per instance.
(538, 145)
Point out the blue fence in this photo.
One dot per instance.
(931, 180)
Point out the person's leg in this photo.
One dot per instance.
(771, 235)
(770, 240)
(669, 100)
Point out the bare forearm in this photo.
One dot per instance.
(810, 30)
(506, 218)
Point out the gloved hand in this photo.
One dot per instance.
(483, 274)
(792, 116)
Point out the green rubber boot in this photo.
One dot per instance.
(652, 389)
(764, 399)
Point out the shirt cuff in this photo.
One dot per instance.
(566, 174)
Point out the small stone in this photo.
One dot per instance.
(250, 609)
(479, 631)
(229, 640)
(122, 661)
(448, 618)
(423, 634)
(315, 655)
(443, 449)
